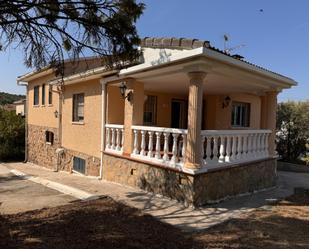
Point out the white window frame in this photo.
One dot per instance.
(36, 95)
(241, 120)
(78, 106)
(150, 108)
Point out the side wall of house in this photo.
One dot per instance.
(82, 139)
(41, 118)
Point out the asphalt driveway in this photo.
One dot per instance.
(18, 194)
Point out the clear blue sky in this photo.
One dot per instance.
(277, 38)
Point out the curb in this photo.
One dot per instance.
(77, 193)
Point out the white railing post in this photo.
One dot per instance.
(165, 147)
(239, 148)
(234, 148)
(135, 143)
(208, 149)
(215, 149)
(174, 149)
(118, 147)
(202, 148)
(150, 144)
(184, 146)
(221, 152)
(108, 145)
(158, 147)
(228, 149)
(113, 139)
(267, 145)
(143, 144)
(122, 139)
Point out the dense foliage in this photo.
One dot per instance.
(307, 152)
(49, 30)
(12, 136)
(292, 129)
(7, 98)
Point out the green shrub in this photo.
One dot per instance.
(292, 130)
(12, 136)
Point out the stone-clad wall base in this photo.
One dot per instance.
(44, 154)
(39, 152)
(92, 163)
(148, 177)
(219, 185)
(194, 190)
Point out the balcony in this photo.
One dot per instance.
(167, 146)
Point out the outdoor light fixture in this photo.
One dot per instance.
(226, 102)
(123, 87)
(56, 114)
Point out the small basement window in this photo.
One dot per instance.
(49, 137)
(79, 165)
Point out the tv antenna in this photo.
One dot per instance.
(226, 39)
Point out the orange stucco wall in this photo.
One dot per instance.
(42, 115)
(86, 136)
(214, 116)
(218, 118)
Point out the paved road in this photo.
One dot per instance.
(19, 195)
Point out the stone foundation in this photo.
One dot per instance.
(92, 163)
(247, 178)
(40, 152)
(194, 190)
(44, 154)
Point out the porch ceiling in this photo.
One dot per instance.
(222, 82)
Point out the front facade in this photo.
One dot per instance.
(189, 122)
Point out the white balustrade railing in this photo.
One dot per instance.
(232, 146)
(167, 146)
(160, 145)
(114, 138)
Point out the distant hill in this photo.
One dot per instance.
(8, 98)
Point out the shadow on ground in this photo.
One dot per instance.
(108, 224)
(102, 223)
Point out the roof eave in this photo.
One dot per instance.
(209, 53)
(34, 75)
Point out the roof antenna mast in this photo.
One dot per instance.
(228, 50)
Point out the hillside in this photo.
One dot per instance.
(8, 98)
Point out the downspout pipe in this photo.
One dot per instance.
(20, 83)
(103, 121)
(59, 151)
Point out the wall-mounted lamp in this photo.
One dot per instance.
(56, 114)
(123, 87)
(226, 102)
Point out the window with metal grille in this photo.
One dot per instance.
(49, 137)
(78, 107)
(150, 110)
(79, 165)
(240, 114)
(36, 95)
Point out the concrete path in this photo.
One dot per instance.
(19, 195)
(165, 209)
